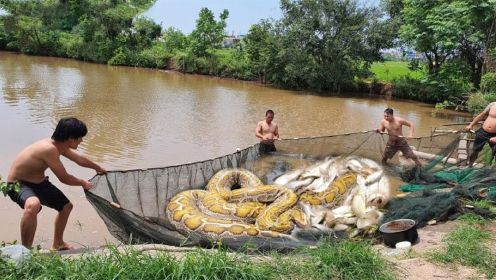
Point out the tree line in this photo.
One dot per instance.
(321, 45)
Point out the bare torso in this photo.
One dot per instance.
(268, 131)
(490, 122)
(394, 127)
(30, 164)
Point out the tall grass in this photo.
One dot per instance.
(346, 260)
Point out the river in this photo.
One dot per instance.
(141, 118)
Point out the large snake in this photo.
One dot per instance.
(253, 209)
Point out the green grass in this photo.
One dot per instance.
(389, 70)
(467, 246)
(345, 260)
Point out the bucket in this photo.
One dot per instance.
(399, 230)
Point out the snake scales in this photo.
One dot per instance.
(253, 209)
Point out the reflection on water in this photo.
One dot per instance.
(141, 118)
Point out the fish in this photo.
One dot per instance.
(288, 177)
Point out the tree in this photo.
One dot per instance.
(258, 45)
(209, 33)
(326, 44)
(453, 29)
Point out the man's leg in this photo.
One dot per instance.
(29, 220)
(472, 158)
(60, 223)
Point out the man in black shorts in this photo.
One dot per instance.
(267, 131)
(486, 134)
(28, 170)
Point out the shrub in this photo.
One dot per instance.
(488, 82)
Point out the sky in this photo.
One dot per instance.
(182, 14)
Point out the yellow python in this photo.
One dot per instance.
(333, 194)
(252, 210)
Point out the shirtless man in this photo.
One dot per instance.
(29, 168)
(486, 134)
(267, 132)
(397, 142)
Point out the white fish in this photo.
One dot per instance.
(316, 184)
(358, 203)
(297, 185)
(287, 177)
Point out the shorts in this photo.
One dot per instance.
(396, 144)
(46, 192)
(481, 138)
(266, 148)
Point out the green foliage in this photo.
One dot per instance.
(488, 83)
(132, 264)
(455, 29)
(174, 40)
(410, 88)
(476, 102)
(260, 48)
(473, 219)
(209, 33)
(325, 44)
(350, 260)
(346, 260)
(450, 83)
(5, 188)
(88, 30)
(157, 56)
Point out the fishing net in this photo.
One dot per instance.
(132, 203)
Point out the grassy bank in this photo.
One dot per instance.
(346, 260)
(388, 71)
(468, 245)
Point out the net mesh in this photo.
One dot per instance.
(132, 203)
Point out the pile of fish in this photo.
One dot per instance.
(340, 193)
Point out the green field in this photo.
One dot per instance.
(389, 70)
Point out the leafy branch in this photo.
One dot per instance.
(5, 188)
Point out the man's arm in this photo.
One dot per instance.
(410, 126)
(258, 131)
(83, 161)
(276, 132)
(480, 117)
(381, 128)
(52, 159)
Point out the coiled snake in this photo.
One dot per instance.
(254, 209)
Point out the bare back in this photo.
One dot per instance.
(30, 164)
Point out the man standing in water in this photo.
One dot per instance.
(485, 134)
(397, 142)
(29, 168)
(267, 132)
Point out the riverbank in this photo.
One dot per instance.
(129, 260)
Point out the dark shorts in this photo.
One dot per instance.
(46, 192)
(481, 138)
(396, 144)
(266, 148)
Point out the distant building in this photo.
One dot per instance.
(401, 54)
(231, 41)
